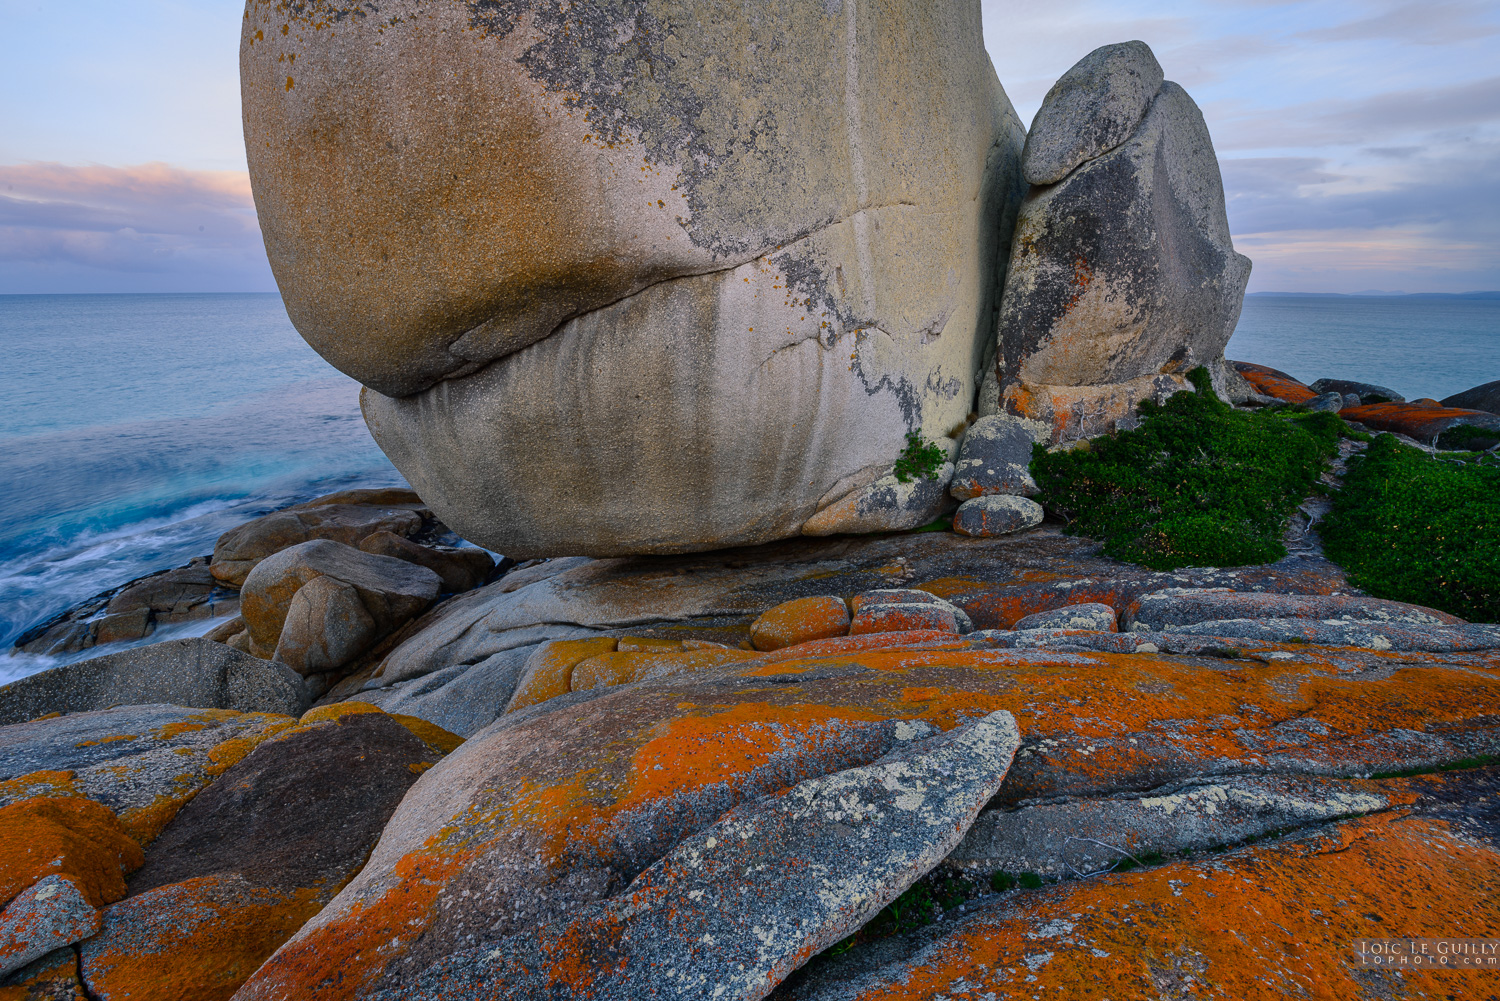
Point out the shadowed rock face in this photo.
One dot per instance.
(675, 270)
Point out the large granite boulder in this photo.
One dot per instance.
(630, 277)
(1122, 276)
(1485, 397)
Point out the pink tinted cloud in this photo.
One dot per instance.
(190, 226)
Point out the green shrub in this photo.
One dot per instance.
(1421, 529)
(918, 461)
(1198, 483)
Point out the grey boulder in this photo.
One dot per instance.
(1122, 279)
(1366, 391)
(1178, 607)
(1092, 108)
(461, 569)
(995, 457)
(886, 505)
(1485, 397)
(1331, 402)
(1092, 616)
(188, 672)
(996, 514)
(319, 605)
(50, 914)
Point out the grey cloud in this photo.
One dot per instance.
(1424, 23)
(68, 222)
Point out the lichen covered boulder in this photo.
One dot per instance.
(676, 271)
(1123, 276)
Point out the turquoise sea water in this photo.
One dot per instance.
(137, 428)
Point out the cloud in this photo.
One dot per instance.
(156, 227)
(1424, 23)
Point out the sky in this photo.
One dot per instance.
(1359, 139)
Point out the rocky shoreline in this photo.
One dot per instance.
(774, 707)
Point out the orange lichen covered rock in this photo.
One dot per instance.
(49, 915)
(903, 618)
(549, 670)
(72, 837)
(1424, 420)
(1272, 382)
(143, 762)
(1274, 920)
(54, 977)
(610, 669)
(800, 620)
(548, 814)
(254, 856)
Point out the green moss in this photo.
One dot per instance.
(1414, 528)
(918, 460)
(1198, 483)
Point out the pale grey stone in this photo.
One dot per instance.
(1090, 110)
(50, 914)
(1094, 616)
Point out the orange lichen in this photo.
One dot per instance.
(216, 941)
(44, 783)
(1276, 920)
(610, 669)
(800, 621)
(1270, 382)
(549, 670)
(430, 733)
(75, 837)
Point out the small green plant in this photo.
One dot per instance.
(918, 460)
(1002, 881)
(1031, 881)
(1198, 483)
(1421, 529)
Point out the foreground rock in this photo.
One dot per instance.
(253, 856)
(1123, 276)
(317, 606)
(190, 672)
(686, 220)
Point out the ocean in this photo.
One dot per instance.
(138, 428)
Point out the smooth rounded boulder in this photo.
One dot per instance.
(639, 278)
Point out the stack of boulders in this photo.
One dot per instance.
(1122, 277)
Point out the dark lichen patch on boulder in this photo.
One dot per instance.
(1198, 483)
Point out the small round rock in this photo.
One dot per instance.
(800, 621)
(996, 514)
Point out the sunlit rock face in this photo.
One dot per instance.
(629, 277)
(1123, 276)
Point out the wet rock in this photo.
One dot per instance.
(253, 856)
(1170, 609)
(1485, 397)
(51, 914)
(995, 457)
(43, 837)
(886, 505)
(142, 762)
(461, 569)
(1365, 391)
(1123, 276)
(349, 518)
(997, 514)
(800, 621)
(318, 605)
(1447, 427)
(187, 672)
(1092, 109)
(1090, 615)
(1274, 383)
